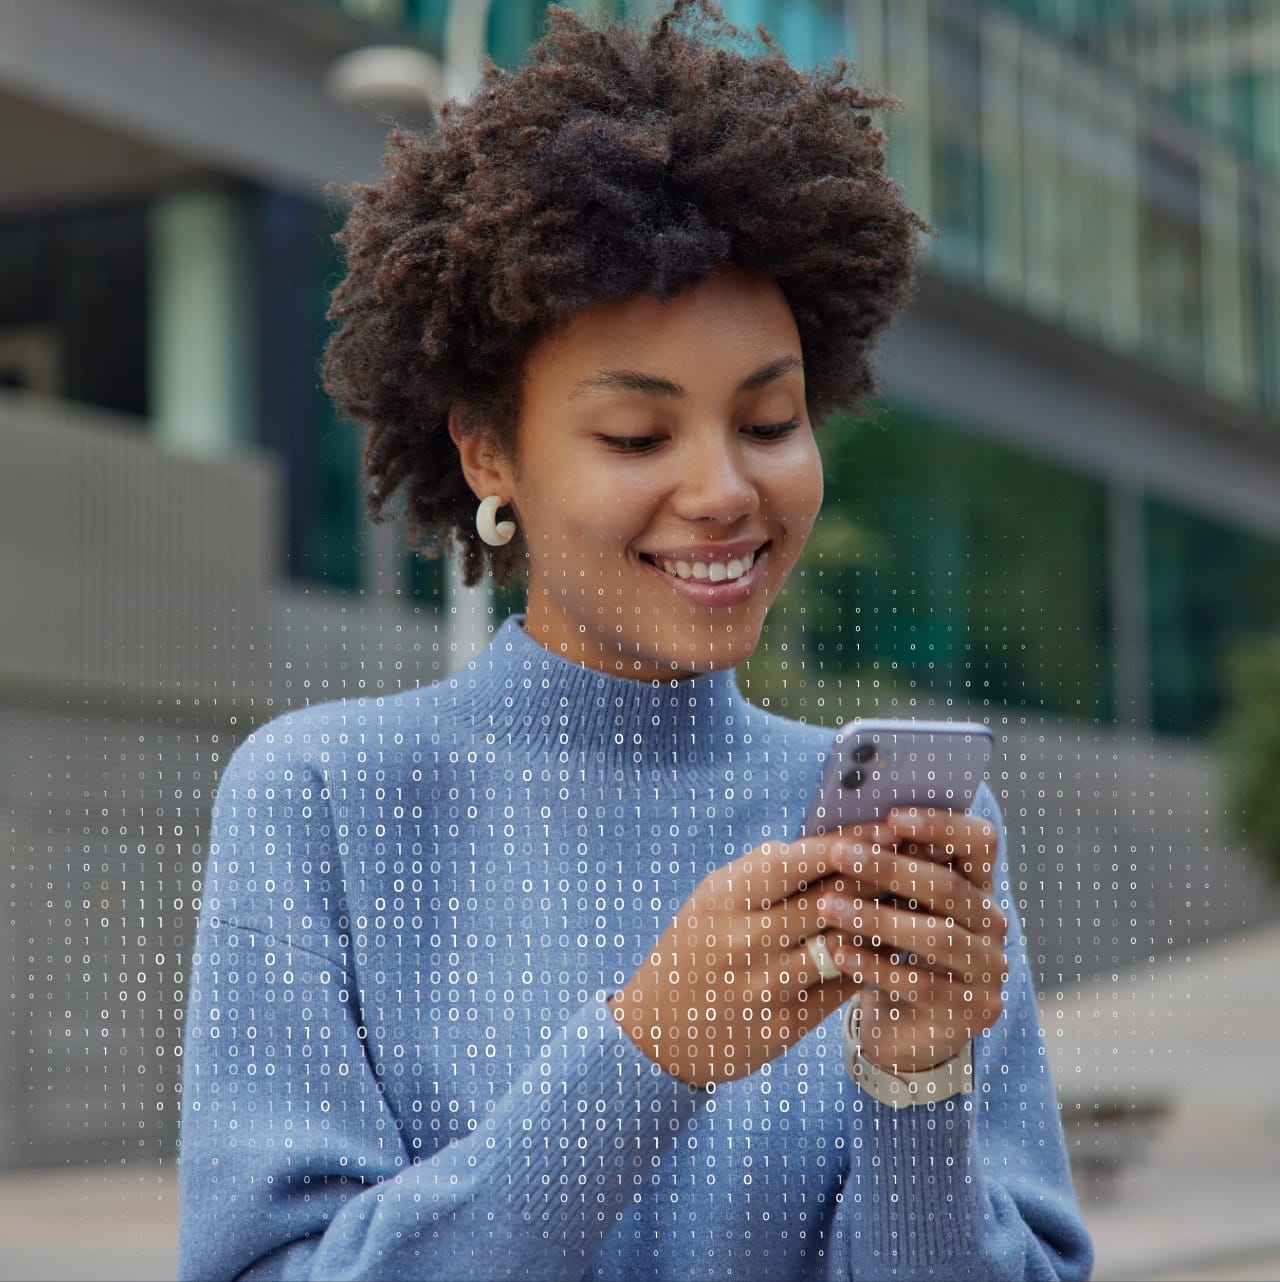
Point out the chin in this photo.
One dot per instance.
(714, 657)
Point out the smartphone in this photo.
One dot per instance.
(875, 766)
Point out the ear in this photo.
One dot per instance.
(485, 467)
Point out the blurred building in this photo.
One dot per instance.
(1069, 510)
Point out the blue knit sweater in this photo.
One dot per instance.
(399, 1062)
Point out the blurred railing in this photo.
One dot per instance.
(145, 629)
(129, 572)
(1215, 61)
(1060, 185)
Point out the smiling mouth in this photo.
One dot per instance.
(707, 571)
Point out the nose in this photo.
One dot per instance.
(716, 483)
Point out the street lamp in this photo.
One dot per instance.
(409, 85)
(390, 79)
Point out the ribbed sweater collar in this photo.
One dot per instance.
(519, 694)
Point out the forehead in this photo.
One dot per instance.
(708, 334)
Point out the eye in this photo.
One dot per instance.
(630, 444)
(773, 431)
(646, 444)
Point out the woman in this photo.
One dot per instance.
(525, 974)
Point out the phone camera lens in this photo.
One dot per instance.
(863, 753)
(852, 779)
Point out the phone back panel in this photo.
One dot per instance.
(875, 766)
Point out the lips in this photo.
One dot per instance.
(708, 554)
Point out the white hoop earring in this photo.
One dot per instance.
(494, 533)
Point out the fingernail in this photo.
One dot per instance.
(852, 854)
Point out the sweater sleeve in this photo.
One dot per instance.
(292, 1165)
(976, 1186)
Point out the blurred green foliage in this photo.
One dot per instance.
(1248, 739)
(946, 562)
(1209, 583)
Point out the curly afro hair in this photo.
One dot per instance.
(616, 161)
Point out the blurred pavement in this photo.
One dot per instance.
(1199, 1197)
(102, 1223)
(1196, 1199)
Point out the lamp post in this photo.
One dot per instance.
(409, 84)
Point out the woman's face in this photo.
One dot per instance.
(666, 479)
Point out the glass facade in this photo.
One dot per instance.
(1215, 61)
(951, 567)
(1058, 188)
(955, 133)
(809, 32)
(1022, 138)
(1171, 269)
(421, 20)
(947, 564)
(103, 306)
(297, 264)
(1211, 585)
(73, 307)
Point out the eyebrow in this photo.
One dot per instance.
(633, 380)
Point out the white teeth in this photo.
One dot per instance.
(711, 571)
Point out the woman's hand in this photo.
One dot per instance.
(934, 954)
(730, 984)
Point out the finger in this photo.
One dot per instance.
(938, 826)
(964, 841)
(773, 871)
(950, 1009)
(777, 869)
(921, 885)
(875, 833)
(787, 923)
(901, 983)
(917, 885)
(946, 949)
(805, 901)
(812, 960)
(782, 974)
(938, 945)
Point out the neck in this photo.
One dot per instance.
(615, 662)
(526, 698)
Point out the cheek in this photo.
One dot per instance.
(815, 492)
(797, 491)
(588, 520)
